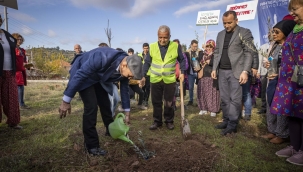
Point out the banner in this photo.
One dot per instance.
(245, 10)
(9, 3)
(208, 18)
(269, 13)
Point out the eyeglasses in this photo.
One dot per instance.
(294, 9)
(209, 46)
(275, 32)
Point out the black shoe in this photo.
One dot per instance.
(155, 126)
(170, 126)
(261, 111)
(247, 118)
(223, 125)
(190, 103)
(228, 131)
(107, 131)
(96, 152)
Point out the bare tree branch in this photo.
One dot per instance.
(108, 32)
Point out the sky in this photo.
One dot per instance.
(63, 23)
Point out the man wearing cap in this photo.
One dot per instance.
(103, 65)
(161, 60)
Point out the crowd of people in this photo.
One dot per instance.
(229, 74)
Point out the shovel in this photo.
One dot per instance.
(184, 122)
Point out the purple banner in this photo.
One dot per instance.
(269, 13)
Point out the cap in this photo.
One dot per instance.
(134, 63)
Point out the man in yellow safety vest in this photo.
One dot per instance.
(161, 60)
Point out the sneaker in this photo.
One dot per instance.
(17, 127)
(120, 109)
(24, 107)
(142, 107)
(202, 112)
(246, 117)
(213, 114)
(286, 152)
(296, 159)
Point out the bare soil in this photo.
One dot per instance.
(173, 155)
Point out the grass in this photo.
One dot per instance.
(48, 143)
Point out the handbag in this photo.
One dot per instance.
(200, 73)
(297, 75)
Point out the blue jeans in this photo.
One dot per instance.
(191, 83)
(246, 97)
(21, 95)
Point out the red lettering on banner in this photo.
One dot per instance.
(243, 12)
(237, 7)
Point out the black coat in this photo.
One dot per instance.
(12, 42)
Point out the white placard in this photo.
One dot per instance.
(245, 10)
(208, 18)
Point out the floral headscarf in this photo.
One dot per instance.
(211, 43)
(208, 55)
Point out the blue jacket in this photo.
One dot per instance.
(98, 65)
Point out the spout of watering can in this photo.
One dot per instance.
(125, 138)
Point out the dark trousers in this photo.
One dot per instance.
(159, 91)
(146, 89)
(296, 132)
(263, 92)
(231, 97)
(92, 97)
(136, 89)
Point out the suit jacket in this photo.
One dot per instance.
(239, 54)
(98, 65)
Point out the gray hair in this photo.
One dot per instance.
(164, 28)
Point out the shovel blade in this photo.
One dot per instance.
(186, 130)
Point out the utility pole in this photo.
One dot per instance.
(5, 18)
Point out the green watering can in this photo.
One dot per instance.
(118, 129)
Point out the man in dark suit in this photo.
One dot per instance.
(94, 79)
(232, 62)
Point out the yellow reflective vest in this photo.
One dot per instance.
(163, 70)
(141, 55)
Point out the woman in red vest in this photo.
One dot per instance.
(20, 73)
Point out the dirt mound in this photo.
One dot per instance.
(172, 155)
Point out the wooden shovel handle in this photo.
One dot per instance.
(182, 101)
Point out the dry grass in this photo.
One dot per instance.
(49, 144)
